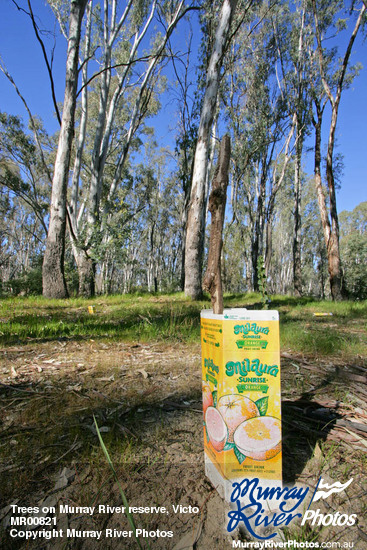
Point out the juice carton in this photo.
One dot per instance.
(241, 397)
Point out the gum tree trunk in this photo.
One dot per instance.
(297, 268)
(217, 205)
(331, 231)
(258, 232)
(54, 285)
(86, 272)
(84, 266)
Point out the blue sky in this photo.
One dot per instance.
(21, 54)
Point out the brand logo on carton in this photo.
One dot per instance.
(250, 327)
(244, 367)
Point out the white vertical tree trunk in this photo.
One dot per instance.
(196, 215)
(85, 271)
(54, 285)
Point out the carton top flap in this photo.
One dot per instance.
(242, 314)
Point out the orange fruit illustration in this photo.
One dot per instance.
(217, 429)
(259, 438)
(235, 409)
(207, 397)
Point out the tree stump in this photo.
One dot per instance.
(217, 206)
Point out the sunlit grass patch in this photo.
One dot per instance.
(307, 339)
(308, 325)
(127, 317)
(310, 328)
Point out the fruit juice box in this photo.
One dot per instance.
(241, 397)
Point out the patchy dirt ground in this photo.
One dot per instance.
(146, 400)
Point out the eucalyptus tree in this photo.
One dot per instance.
(353, 248)
(187, 101)
(124, 45)
(281, 267)
(127, 85)
(24, 203)
(122, 256)
(144, 230)
(313, 252)
(25, 199)
(196, 214)
(293, 33)
(20, 241)
(262, 134)
(160, 223)
(22, 170)
(234, 261)
(334, 78)
(314, 258)
(54, 285)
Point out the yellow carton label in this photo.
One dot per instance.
(241, 393)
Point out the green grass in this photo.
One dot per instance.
(343, 332)
(146, 317)
(129, 317)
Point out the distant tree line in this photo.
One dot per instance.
(103, 207)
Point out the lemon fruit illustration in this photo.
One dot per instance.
(217, 429)
(259, 438)
(235, 409)
(207, 397)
